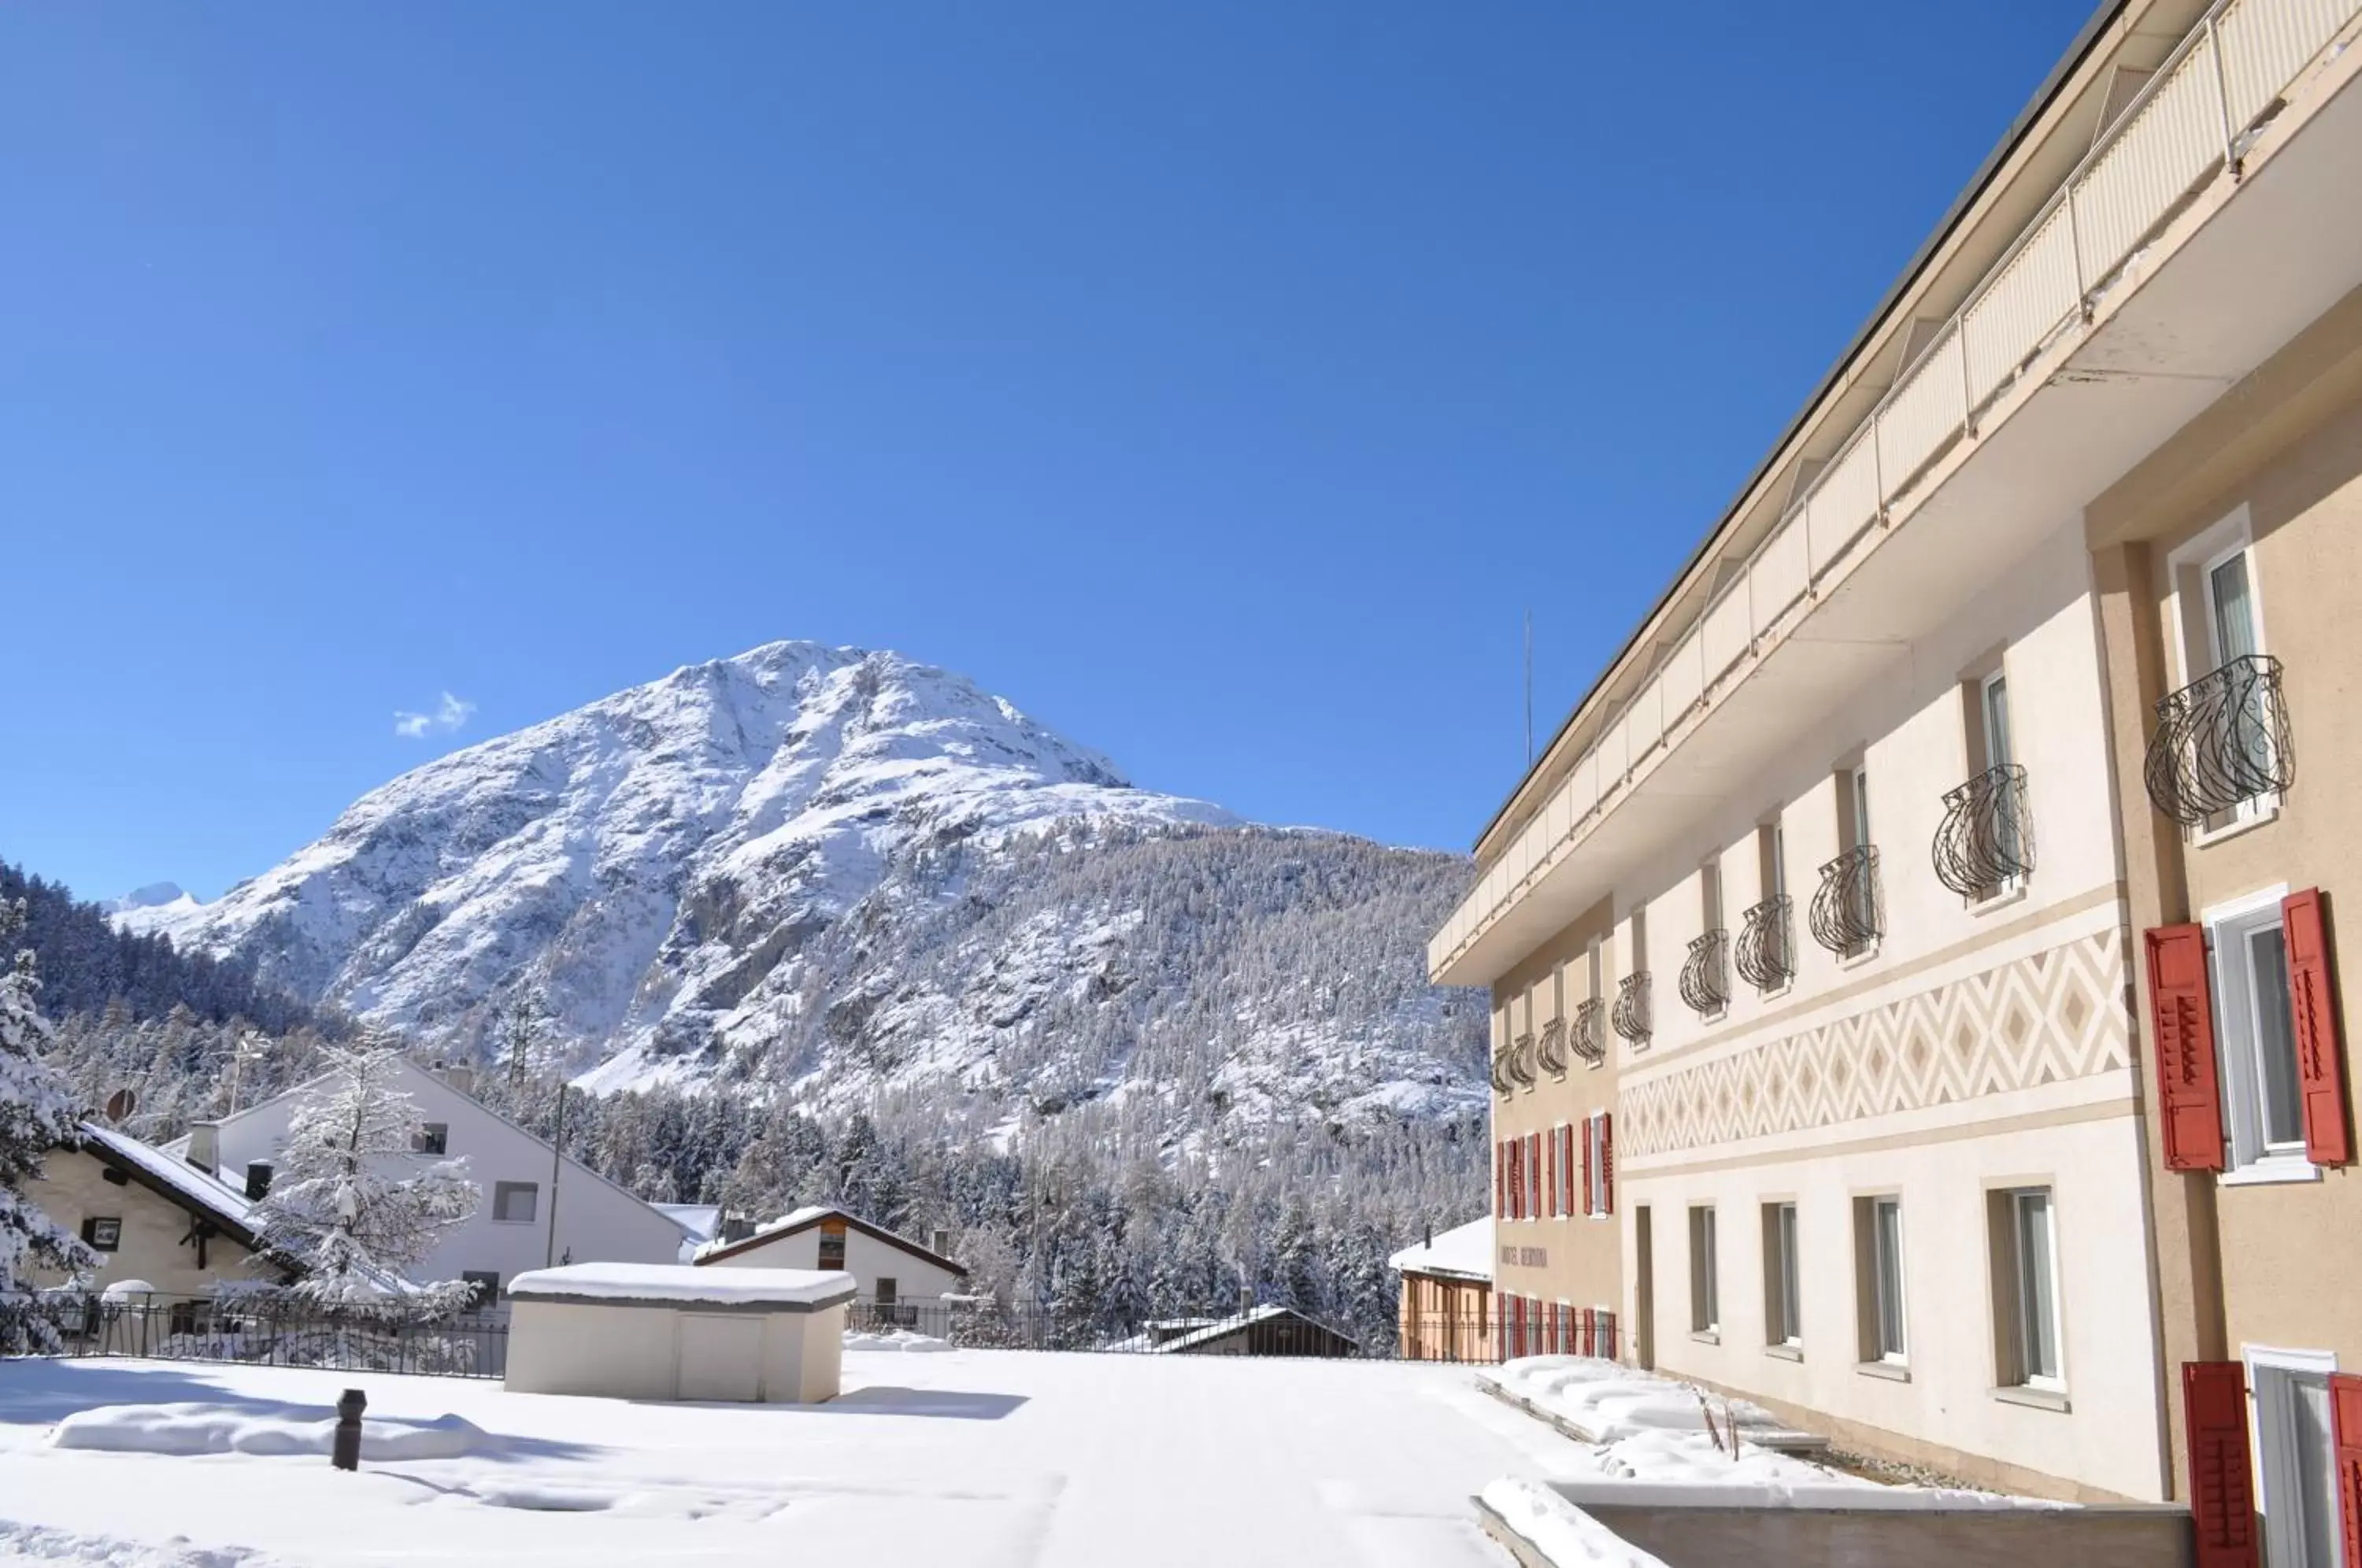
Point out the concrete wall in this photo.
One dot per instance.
(2244, 1265)
(866, 1259)
(1572, 1259)
(1973, 1050)
(635, 1351)
(1688, 1536)
(596, 1221)
(73, 1186)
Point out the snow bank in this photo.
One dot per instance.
(683, 1282)
(900, 1340)
(32, 1543)
(1691, 1459)
(1558, 1529)
(185, 1429)
(1612, 1401)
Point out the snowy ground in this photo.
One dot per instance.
(974, 1457)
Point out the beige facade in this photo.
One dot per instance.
(1863, 792)
(179, 1246)
(2254, 1262)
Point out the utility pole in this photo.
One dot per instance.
(557, 1146)
(1529, 688)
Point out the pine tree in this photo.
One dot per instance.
(351, 1205)
(35, 1116)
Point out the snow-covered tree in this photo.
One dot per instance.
(351, 1204)
(35, 1116)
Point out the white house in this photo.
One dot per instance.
(886, 1269)
(539, 1207)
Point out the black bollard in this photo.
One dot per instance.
(347, 1454)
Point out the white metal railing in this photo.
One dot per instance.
(2187, 123)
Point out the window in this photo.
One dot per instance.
(1783, 1315)
(1567, 1175)
(1878, 1276)
(1710, 896)
(515, 1202)
(2296, 1453)
(1772, 859)
(1992, 708)
(433, 1138)
(104, 1233)
(831, 1250)
(2026, 1267)
(2220, 623)
(1598, 1165)
(1857, 807)
(1705, 1293)
(487, 1283)
(2256, 1029)
(886, 1291)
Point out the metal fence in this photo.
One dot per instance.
(261, 1332)
(1265, 1331)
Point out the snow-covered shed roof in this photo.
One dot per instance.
(698, 1222)
(812, 1214)
(670, 1285)
(201, 1193)
(1464, 1252)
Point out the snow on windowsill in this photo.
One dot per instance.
(1785, 1353)
(1891, 1370)
(2034, 1398)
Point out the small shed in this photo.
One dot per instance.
(896, 1277)
(674, 1332)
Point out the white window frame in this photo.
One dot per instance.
(1705, 1270)
(1787, 1231)
(2227, 537)
(2271, 1375)
(1595, 1165)
(2047, 1382)
(531, 1187)
(1900, 1354)
(2250, 1159)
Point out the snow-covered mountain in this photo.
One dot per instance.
(157, 903)
(850, 876)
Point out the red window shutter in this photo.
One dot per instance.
(1553, 1163)
(1500, 1179)
(2222, 1491)
(2181, 1006)
(1586, 1168)
(2320, 1048)
(2346, 1437)
(1588, 1339)
(1534, 1176)
(1608, 1162)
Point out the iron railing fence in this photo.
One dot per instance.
(1591, 1030)
(1847, 916)
(2197, 116)
(262, 1333)
(1632, 1018)
(1986, 840)
(1551, 1048)
(1766, 951)
(1705, 974)
(1501, 1084)
(1521, 1061)
(1462, 1336)
(2220, 741)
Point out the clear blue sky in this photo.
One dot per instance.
(1217, 382)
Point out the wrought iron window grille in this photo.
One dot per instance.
(1521, 1060)
(1591, 1030)
(1705, 974)
(1846, 916)
(2220, 741)
(1765, 954)
(1551, 1048)
(1501, 1083)
(1631, 1016)
(1986, 841)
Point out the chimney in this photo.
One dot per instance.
(461, 1080)
(736, 1228)
(258, 1180)
(1246, 1299)
(939, 1241)
(204, 1145)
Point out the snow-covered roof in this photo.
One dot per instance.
(698, 1221)
(1464, 1252)
(1212, 1329)
(682, 1283)
(812, 1214)
(194, 1188)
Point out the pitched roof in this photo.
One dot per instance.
(1223, 1328)
(202, 1194)
(804, 1218)
(1464, 1252)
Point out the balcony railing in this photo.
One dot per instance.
(1521, 1061)
(1846, 915)
(2220, 741)
(1705, 974)
(1632, 1018)
(2194, 115)
(1502, 1085)
(1591, 1030)
(1765, 954)
(1986, 841)
(1550, 1047)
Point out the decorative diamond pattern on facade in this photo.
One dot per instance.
(2043, 1019)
